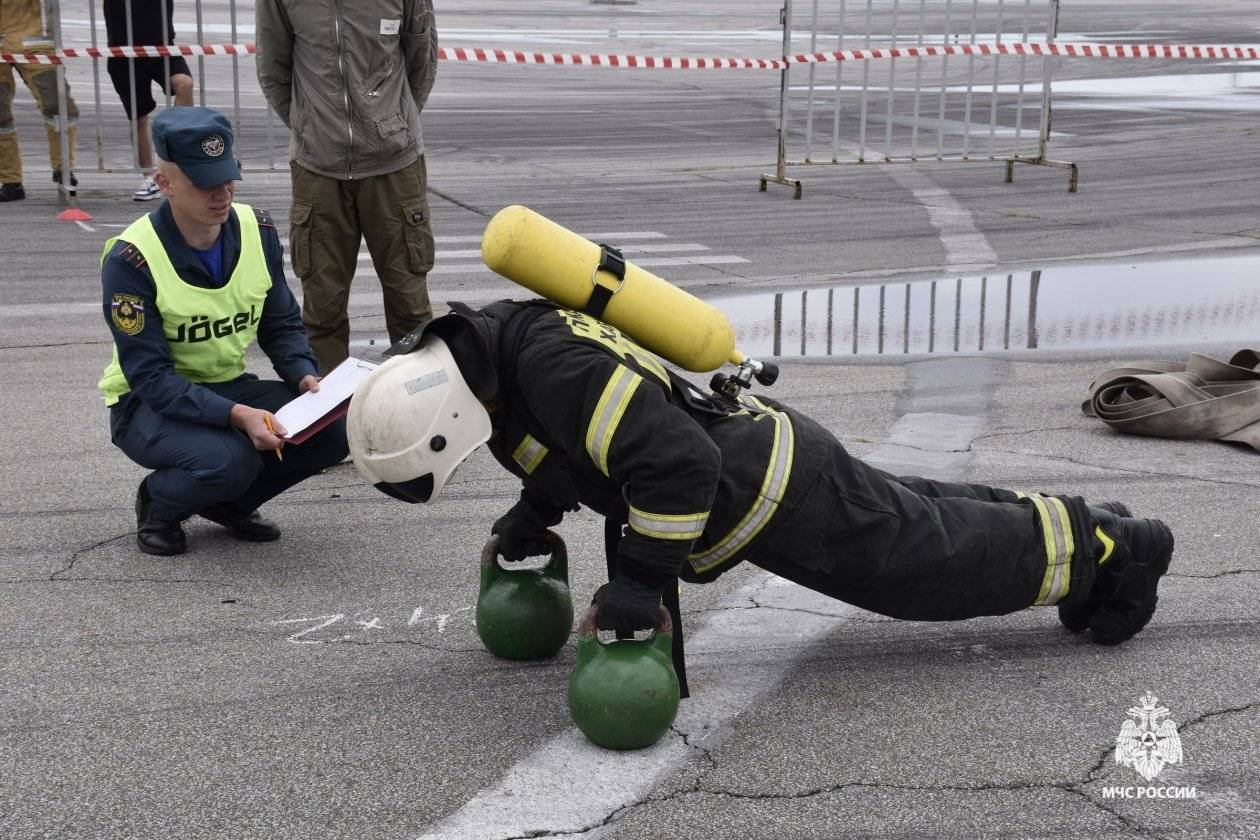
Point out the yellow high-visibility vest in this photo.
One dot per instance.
(206, 329)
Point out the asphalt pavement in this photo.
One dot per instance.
(331, 684)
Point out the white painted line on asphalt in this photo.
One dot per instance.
(571, 785)
(647, 262)
(965, 246)
(655, 248)
(38, 310)
(475, 238)
(703, 259)
(86, 227)
(475, 253)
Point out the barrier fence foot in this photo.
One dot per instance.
(787, 182)
(1070, 166)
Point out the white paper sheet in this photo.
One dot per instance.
(334, 389)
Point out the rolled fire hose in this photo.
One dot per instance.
(1203, 399)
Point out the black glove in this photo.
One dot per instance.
(522, 533)
(626, 605)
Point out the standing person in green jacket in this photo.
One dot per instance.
(350, 80)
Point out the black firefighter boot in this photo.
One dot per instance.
(154, 535)
(251, 526)
(12, 192)
(1133, 554)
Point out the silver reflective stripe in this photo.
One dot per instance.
(608, 411)
(529, 454)
(773, 486)
(1059, 545)
(668, 526)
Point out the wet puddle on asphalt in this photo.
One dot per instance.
(1232, 90)
(1064, 307)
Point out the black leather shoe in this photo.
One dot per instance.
(12, 192)
(154, 535)
(1075, 617)
(74, 182)
(244, 526)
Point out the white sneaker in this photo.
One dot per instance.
(148, 190)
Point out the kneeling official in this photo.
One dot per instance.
(186, 289)
(583, 415)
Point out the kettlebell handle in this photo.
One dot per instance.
(559, 553)
(589, 625)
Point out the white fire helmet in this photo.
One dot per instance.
(413, 421)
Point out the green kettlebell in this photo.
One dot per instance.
(525, 614)
(623, 695)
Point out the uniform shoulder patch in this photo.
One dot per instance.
(264, 217)
(127, 313)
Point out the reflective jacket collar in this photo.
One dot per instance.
(186, 263)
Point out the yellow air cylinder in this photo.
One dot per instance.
(556, 263)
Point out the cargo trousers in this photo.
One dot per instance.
(330, 218)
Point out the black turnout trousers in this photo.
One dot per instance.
(918, 549)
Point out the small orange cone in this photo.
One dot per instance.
(73, 214)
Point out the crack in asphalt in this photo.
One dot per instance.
(1216, 575)
(1114, 468)
(53, 344)
(483, 213)
(118, 580)
(412, 642)
(74, 556)
(1076, 788)
(803, 610)
(1022, 432)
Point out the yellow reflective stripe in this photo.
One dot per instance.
(773, 486)
(1109, 544)
(1020, 495)
(1047, 533)
(668, 526)
(529, 454)
(1063, 573)
(1056, 529)
(608, 411)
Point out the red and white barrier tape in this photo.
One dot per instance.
(654, 62)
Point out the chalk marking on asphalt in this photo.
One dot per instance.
(324, 621)
(965, 246)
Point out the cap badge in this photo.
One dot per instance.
(213, 145)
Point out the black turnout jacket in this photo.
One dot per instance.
(584, 416)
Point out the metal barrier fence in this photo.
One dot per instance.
(860, 115)
(115, 136)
